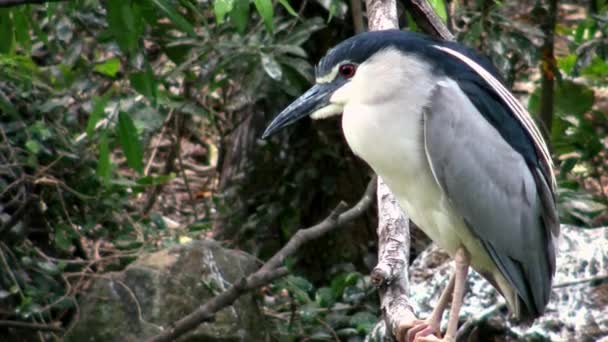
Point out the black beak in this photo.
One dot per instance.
(315, 98)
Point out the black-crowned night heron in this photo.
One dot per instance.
(460, 153)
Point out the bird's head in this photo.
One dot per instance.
(334, 73)
(372, 67)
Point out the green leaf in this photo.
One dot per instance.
(109, 67)
(439, 7)
(325, 297)
(567, 63)
(126, 24)
(6, 32)
(266, 11)
(48, 267)
(571, 98)
(156, 180)
(99, 106)
(271, 66)
(598, 69)
(21, 19)
(287, 6)
(63, 237)
(104, 165)
(221, 8)
(33, 146)
(129, 140)
(145, 83)
(175, 17)
(363, 321)
(309, 312)
(290, 49)
(239, 16)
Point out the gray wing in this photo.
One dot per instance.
(496, 192)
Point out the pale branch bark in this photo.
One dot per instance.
(427, 19)
(271, 270)
(12, 3)
(391, 272)
(393, 234)
(382, 14)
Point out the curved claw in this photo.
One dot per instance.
(415, 330)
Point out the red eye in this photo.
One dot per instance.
(347, 70)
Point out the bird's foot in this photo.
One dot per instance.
(433, 338)
(415, 330)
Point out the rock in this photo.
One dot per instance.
(577, 311)
(161, 287)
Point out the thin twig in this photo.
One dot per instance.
(158, 142)
(581, 281)
(427, 19)
(55, 327)
(12, 3)
(270, 271)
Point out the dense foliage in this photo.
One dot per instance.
(117, 117)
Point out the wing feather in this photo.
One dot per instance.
(495, 190)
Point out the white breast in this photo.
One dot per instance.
(383, 124)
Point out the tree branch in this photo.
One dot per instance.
(356, 10)
(391, 272)
(31, 326)
(427, 19)
(271, 270)
(548, 66)
(13, 3)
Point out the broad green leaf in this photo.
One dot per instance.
(439, 7)
(129, 140)
(598, 69)
(567, 63)
(287, 6)
(99, 105)
(145, 83)
(571, 98)
(48, 267)
(125, 23)
(266, 11)
(175, 17)
(33, 146)
(6, 31)
(109, 67)
(325, 297)
(63, 237)
(363, 321)
(290, 49)
(221, 8)
(104, 165)
(270, 65)
(21, 19)
(239, 16)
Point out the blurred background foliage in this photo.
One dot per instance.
(132, 125)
